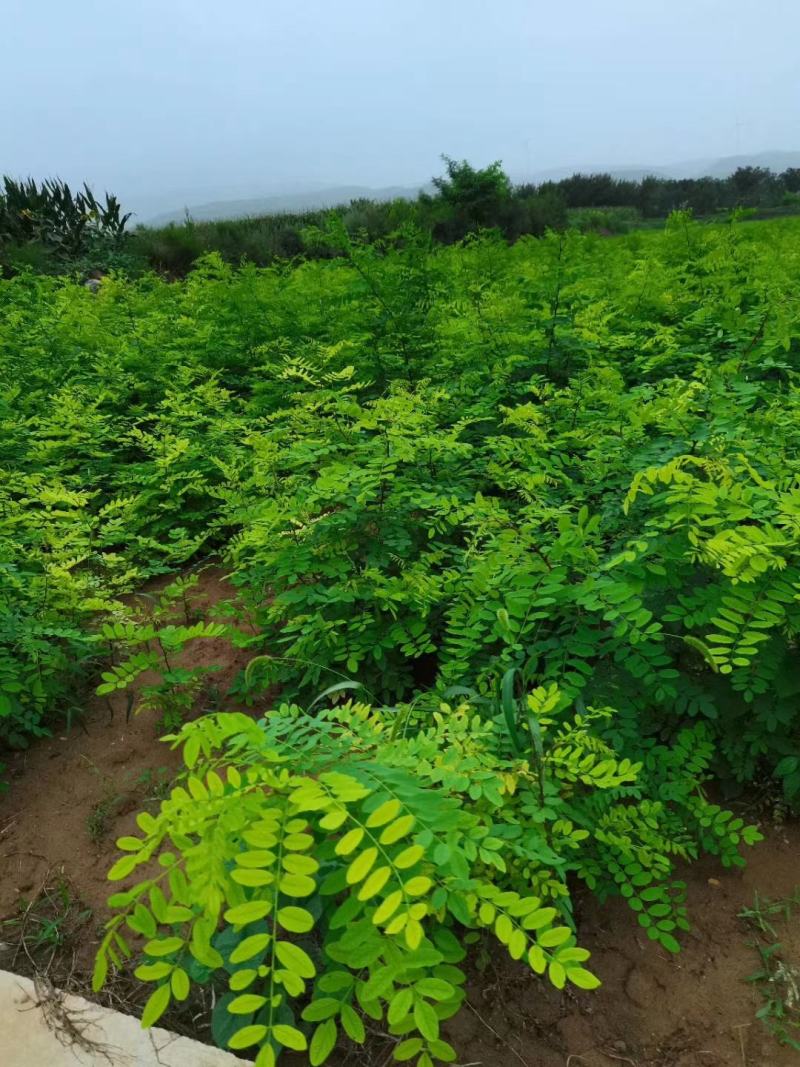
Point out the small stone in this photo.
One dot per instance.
(714, 883)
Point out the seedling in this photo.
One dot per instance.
(778, 977)
(157, 643)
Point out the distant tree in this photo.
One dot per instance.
(532, 212)
(791, 179)
(703, 195)
(475, 194)
(750, 183)
(647, 195)
(590, 190)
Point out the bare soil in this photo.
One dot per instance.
(72, 795)
(653, 1009)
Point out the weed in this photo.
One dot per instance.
(49, 924)
(154, 785)
(777, 978)
(99, 819)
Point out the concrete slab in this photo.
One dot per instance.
(40, 1028)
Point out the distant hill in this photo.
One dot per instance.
(631, 172)
(720, 167)
(310, 199)
(287, 202)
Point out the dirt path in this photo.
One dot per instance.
(72, 795)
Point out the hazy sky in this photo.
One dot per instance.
(210, 98)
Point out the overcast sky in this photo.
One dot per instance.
(210, 98)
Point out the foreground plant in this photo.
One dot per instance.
(331, 867)
(425, 467)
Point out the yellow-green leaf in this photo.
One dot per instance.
(129, 844)
(298, 864)
(384, 813)
(350, 841)
(248, 913)
(289, 1037)
(242, 979)
(291, 982)
(537, 959)
(334, 819)
(246, 1004)
(153, 972)
(539, 918)
(414, 933)
(408, 1049)
(503, 928)
(295, 920)
(556, 974)
(191, 750)
(164, 946)
(156, 1005)
(557, 935)
(257, 857)
(100, 972)
(146, 822)
(266, 1056)
(416, 887)
(247, 1036)
(322, 1008)
(214, 783)
(122, 868)
(322, 1043)
(408, 857)
(252, 878)
(397, 924)
(399, 828)
(361, 865)
(388, 907)
(196, 788)
(375, 883)
(250, 947)
(295, 959)
(260, 837)
(298, 842)
(297, 885)
(352, 1024)
(426, 1020)
(517, 945)
(180, 984)
(582, 978)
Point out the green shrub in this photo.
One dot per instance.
(405, 447)
(607, 220)
(324, 867)
(451, 476)
(48, 225)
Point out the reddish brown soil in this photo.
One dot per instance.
(72, 795)
(653, 1010)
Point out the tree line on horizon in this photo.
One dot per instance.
(47, 228)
